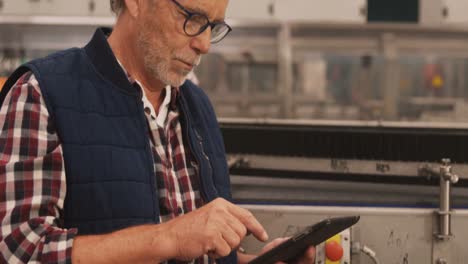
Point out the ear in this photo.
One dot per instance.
(133, 7)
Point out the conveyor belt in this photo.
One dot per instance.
(347, 142)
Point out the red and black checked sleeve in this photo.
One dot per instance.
(32, 180)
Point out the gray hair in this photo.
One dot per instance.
(117, 6)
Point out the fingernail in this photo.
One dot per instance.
(265, 236)
(241, 250)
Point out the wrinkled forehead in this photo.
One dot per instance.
(215, 10)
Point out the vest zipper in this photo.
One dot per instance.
(200, 140)
(203, 194)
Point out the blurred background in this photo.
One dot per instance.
(297, 59)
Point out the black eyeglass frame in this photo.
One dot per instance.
(204, 27)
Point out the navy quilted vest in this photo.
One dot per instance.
(104, 134)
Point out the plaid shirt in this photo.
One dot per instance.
(33, 182)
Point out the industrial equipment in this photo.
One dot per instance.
(411, 201)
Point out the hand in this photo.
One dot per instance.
(215, 229)
(307, 258)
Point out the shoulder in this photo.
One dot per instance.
(57, 61)
(26, 86)
(27, 78)
(24, 101)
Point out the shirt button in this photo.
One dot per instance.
(147, 110)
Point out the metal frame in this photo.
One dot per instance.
(341, 166)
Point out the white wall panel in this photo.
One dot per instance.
(312, 10)
(320, 10)
(430, 12)
(103, 8)
(249, 9)
(457, 11)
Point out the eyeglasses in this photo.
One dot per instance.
(196, 23)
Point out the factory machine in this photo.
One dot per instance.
(324, 120)
(408, 183)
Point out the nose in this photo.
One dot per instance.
(201, 43)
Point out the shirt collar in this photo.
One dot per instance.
(169, 101)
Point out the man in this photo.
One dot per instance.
(107, 156)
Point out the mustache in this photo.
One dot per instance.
(189, 59)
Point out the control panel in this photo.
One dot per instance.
(336, 250)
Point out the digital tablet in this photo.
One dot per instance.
(311, 236)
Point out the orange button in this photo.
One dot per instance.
(2, 81)
(333, 250)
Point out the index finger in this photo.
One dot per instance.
(249, 221)
(308, 257)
